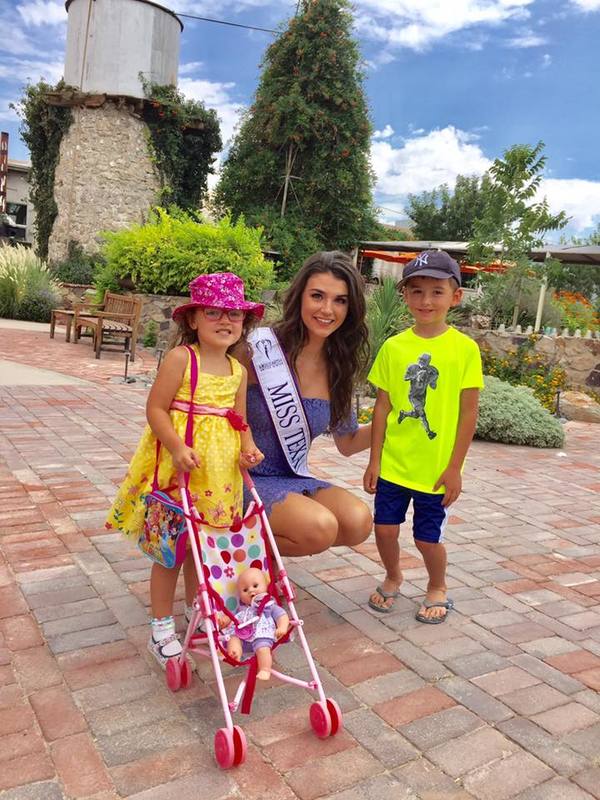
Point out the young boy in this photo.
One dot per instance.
(428, 380)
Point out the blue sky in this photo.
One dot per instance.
(450, 83)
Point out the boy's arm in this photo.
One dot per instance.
(383, 406)
(451, 478)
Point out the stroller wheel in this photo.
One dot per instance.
(186, 674)
(224, 748)
(239, 741)
(173, 674)
(337, 721)
(320, 719)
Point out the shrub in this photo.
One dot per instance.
(512, 415)
(174, 246)
(387, 314)
(78, 267)
(522, 367)
(150, 336)
(27, 288)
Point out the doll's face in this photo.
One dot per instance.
(250, 583)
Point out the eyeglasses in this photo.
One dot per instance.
(216, 314)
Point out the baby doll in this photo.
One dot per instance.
(256, 633)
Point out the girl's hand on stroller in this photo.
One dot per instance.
(185, 459)
(223, 621)
(250, 457)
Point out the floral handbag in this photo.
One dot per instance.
(164, 538)
(165, 534)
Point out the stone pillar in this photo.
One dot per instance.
(104, 179)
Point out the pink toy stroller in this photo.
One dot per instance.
(220, 556)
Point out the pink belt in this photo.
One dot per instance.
(235, 420)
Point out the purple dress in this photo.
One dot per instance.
(273, 477)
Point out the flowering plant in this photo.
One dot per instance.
(522, 367)
(576, 311)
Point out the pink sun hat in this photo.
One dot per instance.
(219, 290)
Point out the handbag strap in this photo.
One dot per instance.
(189, 428)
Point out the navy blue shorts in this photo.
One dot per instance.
(429, 515)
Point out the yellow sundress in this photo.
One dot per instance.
(215, 485)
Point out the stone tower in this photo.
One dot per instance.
(105, 178)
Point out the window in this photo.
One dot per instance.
(18, 212)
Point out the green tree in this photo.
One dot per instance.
(583, 278)
(513, 218)
(302, 151)
(42, 129)
(444, 215)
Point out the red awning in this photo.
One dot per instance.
(398, 257)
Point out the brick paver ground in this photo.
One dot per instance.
(499, 702)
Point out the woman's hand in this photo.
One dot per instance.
(370, 478)
(250, 457)
(184, 458)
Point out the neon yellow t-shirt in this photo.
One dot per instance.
(424, 379)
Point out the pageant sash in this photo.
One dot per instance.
(282, 398)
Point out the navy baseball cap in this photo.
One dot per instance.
(432, 264)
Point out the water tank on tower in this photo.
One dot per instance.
(110, 42)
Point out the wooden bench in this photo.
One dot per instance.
(62, 316)
(118, 317)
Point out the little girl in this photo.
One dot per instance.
(212, 323)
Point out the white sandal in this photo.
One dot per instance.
(156, 648)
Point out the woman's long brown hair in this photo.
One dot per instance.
(347, 349)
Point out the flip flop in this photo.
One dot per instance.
(447, 604)
(385, 596)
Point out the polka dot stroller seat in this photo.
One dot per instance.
(220, 556)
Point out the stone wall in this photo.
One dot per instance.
(104, 180)
(579, 357)
(72, 293)
(158, 308)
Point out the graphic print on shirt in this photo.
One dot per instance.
(422, 376)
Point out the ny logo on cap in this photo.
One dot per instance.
(421, 260)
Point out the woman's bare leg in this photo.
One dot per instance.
(302, 526)
(307, 525)
(354, 517)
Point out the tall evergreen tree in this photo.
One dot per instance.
(301, 157)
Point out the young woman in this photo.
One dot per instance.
(322, 342)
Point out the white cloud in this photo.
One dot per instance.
(17, 42)
(215, 95)
(580, 199)
(190, 68)
(417, 24)
(23, 69)
(43, 12)
(527, 39)
(587, 5)
(7, 114)
(425, 162)
(546, 60)
(385, 133)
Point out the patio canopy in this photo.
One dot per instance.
(569, 254)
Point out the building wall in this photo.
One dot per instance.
(17, 191)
